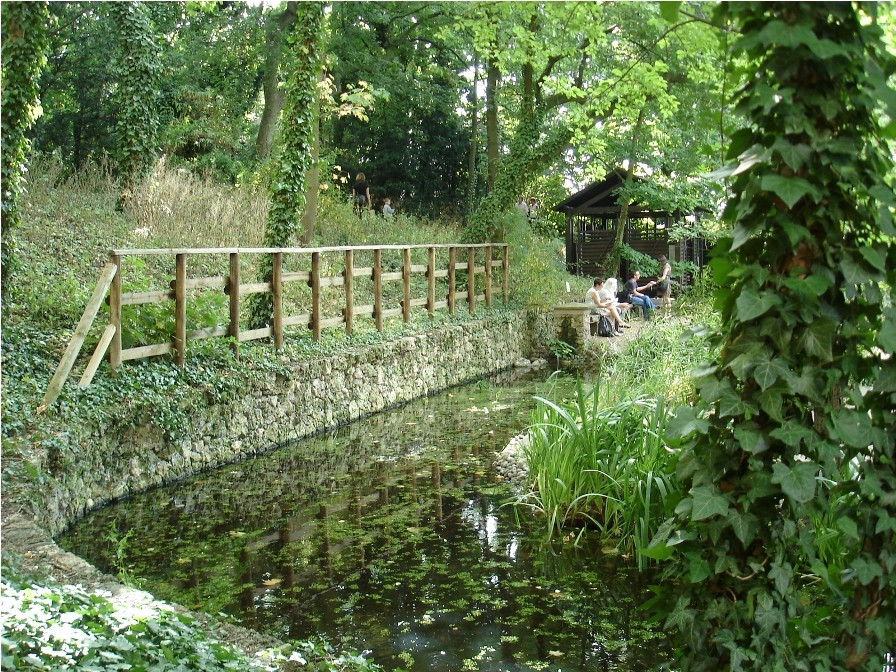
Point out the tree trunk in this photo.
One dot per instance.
(273, 95)
(474, 141)
(491, 122)
(312, 177)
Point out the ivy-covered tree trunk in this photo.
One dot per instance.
(138, 70)
(784, 540)
(276, 29)
(295, 148)
(24, 42)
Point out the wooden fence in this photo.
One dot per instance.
(492, 259)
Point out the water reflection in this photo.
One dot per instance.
(390, 535)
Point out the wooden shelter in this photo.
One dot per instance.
(592, 217)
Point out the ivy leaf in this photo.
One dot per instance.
(685, 422)
(751, 304)
(782, 575)
(744, 525)
(731, 404)
(817, 340)
(866, 570)
(886, 337)
(768, 372)
(792, 433)
(789, 189)
(707, 503)
(793, 155)
(874, 257)
(797, 482)
(852, 427)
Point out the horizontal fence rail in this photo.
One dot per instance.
(302, 288)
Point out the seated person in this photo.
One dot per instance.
(609, 294)
(602, 306)
(635, 296)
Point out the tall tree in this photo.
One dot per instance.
(137, 70)
(276, 34)
(295, 152)
(796, 423)
(24, 55)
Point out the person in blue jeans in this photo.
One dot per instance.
(636, 298)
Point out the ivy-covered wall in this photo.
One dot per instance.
(100, 463)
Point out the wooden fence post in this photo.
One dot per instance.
(488, 276)
(348, 282)
(277, 296)
(431, 284)
(233, 289)
(314, 282)
(471, 278)
(406, 285)
(110, 271)
(378, 288)
(180, 308)
(452, 262)
(505, 258)
(115, 313)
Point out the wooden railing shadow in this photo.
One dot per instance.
(461, 259)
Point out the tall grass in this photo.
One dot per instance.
(604, 466)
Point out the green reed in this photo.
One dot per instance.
(604, 466)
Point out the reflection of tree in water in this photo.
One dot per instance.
(366, 532)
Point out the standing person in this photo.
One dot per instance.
(532, 209)
(387, 208)
(361, 194)
(663, 282)
(522, 207)
(636, 298)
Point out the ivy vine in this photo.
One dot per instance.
(303, 62)
(24, 48)
(137, 68)
(784, 541)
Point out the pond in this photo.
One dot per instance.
(392, 536)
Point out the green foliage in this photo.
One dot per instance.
(294, 159)
(25, 26)
(58, 628)
(604, 465)
(137, 71)
(783, 542)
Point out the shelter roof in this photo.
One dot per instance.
(598, 197)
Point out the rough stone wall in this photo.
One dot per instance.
(102, 464)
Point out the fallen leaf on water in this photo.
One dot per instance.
(556, 654)
(236, 534)
(183, 561)
(271, 582)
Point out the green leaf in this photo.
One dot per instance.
(886, 337)
(792, 434)
(793, 155)
(685, 422)
(789, 189)
(768, 372)
(817, 340)
(782, 575)
(707, 503)
(744, 525)
(866, 570)
(852, 427)
(669, 11)
(751, 303)
(797, 482)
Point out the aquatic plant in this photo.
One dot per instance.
(601, 466)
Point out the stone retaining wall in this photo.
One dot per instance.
(100, 465)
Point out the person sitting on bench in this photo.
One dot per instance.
(603, 306)
(636, 298)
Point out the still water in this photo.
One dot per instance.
(392, 536)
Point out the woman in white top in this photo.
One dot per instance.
(608, 294)
(603, 306)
